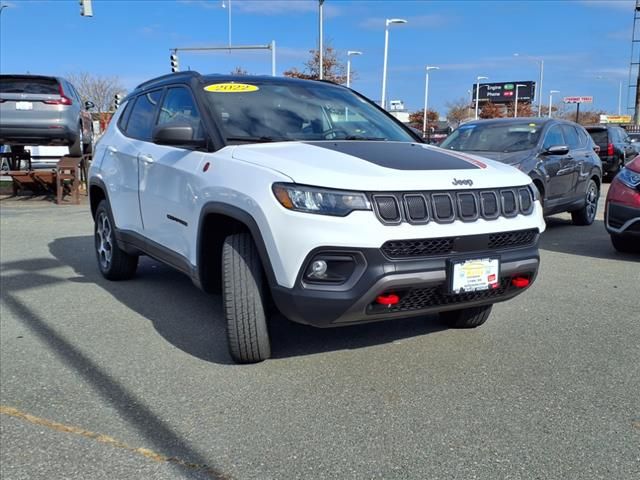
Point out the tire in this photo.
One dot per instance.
(587, 214)
(242, 298)
(468, 317)
(625, 244)
(77, 148)
(114, 263)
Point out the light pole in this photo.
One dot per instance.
(600, 77)
(478, 78)
(539, 86)
(388, 21)
(320, 41)
(349, 53)
(551, 92)
(228, 7)
(515, 108)
(426, 100)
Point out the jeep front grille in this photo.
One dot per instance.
(445, 207)
(432, 247)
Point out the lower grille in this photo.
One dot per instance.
(430, 247)
(423, 298)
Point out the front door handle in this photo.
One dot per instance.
(145, 157)
(112, 149)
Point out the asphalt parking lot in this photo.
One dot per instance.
(132, 380)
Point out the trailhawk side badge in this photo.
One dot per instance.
(231, 88)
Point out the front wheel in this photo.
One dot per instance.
(587, 214)
(468, 317)
(242, 298)
(114, 263)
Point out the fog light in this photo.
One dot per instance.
(318, 269)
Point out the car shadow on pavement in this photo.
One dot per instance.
(192, 320)
(589, 241)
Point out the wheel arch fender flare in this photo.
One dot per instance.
(243, 217)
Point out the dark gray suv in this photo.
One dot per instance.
(39, 110)
(558, 155)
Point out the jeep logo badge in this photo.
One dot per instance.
(466, 181)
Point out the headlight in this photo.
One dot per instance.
(629, 178)
(319, 200)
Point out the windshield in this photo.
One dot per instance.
(492, 137)
(279, 111)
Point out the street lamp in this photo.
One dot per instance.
(515, 108)
(224, 5)
(388, 21)
(539, 86)
(320, 41)
(478, 78)
(551, 92)
(426, 100)
(619, 92)
(349, 53)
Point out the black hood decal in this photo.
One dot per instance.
(400, 155)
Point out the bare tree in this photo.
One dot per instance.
(100, 90)
(334, 69)
(458, 111)
(524, 109)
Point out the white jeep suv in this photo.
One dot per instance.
(307, 194)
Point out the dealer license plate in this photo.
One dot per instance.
(475, 275)
(24, 106)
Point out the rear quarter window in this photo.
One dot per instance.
(42, 86)
(599, 136)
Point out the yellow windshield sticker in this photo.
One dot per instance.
(231, 88)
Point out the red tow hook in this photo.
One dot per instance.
(520, 282)
(388, 299)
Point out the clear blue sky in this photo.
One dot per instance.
(579, 41)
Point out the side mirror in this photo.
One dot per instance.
(556, 150)
(177, 135)
(89, 105)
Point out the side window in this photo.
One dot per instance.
(571, 136)
(179, 106)
(584, 137)
(553, 138)
(140, 124)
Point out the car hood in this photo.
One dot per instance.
(379, 166)
(510, 158)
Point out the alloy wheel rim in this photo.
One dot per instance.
(104, 241)
(592, 201)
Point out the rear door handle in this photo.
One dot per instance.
(146, 158)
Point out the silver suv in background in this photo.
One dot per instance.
(40, 110)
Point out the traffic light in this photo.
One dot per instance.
(86, 9)
(174, 63)
(116, 101)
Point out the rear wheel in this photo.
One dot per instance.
(625, 244)
(468, 317)
(114, 263)
(77, 148)
(242, 298)
(587, 214)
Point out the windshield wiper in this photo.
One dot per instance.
(357, 137)
(263, 139)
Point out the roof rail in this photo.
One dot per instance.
(173, 76)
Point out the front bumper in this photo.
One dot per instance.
(420, 283)
(622, 220)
